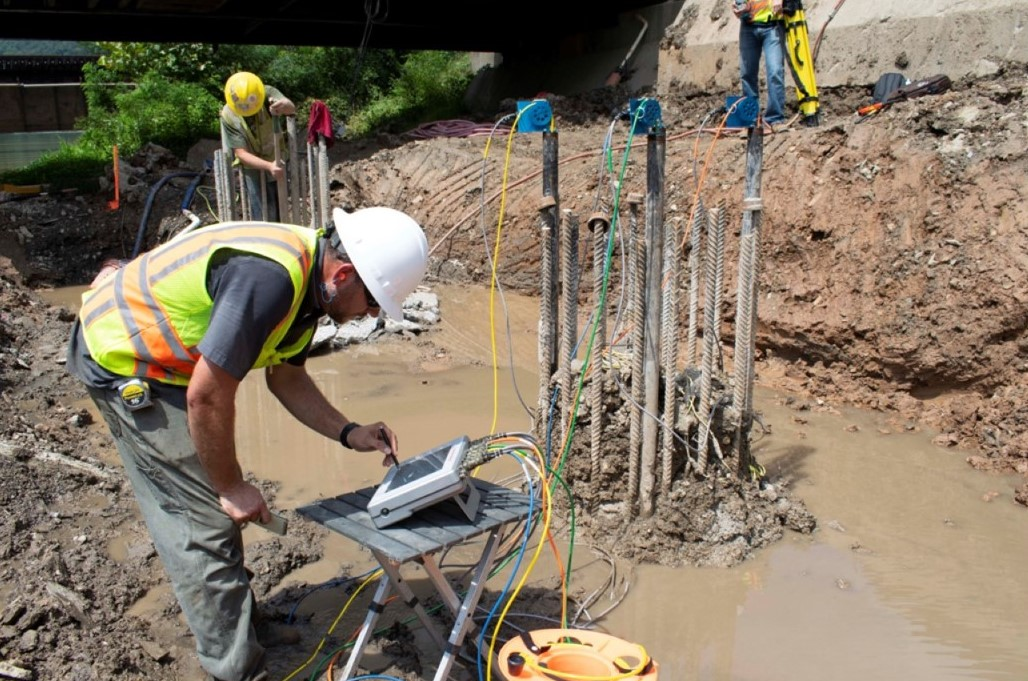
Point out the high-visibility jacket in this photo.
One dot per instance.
(761, 12)
(147, 318)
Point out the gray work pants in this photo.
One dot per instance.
(200, 546)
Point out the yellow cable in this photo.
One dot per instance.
(547, 515)
(495, 264)
(373, 576)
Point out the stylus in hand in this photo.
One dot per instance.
(385, 439)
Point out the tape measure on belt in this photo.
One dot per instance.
(135, 394)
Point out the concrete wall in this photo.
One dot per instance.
(34, 108)
(864, 39)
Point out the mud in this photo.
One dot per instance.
(892, 278)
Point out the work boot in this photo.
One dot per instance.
(272, 634)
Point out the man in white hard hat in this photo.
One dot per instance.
(162, 345)
(247, 128)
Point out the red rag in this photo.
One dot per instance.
(320, 123)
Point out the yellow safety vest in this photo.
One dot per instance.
(761, 13)
(147, 318)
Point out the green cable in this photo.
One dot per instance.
(608, 257)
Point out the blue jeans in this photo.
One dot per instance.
(252, 181)
(753, 40)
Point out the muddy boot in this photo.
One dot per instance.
(272, 634)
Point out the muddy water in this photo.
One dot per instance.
(915, 573)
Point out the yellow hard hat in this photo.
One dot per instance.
(244, 93)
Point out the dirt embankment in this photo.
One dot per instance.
(893, 262)
(893, 247)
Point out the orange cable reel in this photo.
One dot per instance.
(574, 655)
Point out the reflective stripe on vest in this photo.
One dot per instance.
(147, 318)
(761, 12)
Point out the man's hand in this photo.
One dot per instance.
(374, 436)
(244, 503)
(776, 6)
(278, 171)
(740, 9)
(281, 107)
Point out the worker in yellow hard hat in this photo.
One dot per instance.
(247, 129)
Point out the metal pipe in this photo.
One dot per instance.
(600, 227)
(617, 74)
(656, 148)
(638, 295)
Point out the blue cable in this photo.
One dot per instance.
(514, 571)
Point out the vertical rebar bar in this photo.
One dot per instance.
(746, 303)
(600, 228)
(245, 209)
(227, 203)
(222, 186)
(547, 311)
(669, 351)
(709, 338)
(303, 173)
(295, 214)
(656, 147)
(568, 315)
(699, 225)
(548, 211)
(312, 183)
(638, 337)
(326, 209)
(719, 266)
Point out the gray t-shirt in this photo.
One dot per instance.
(251, 295)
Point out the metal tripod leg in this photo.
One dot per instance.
(374, 610)
(463, 614)
(393, 571)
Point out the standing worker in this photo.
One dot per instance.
(162, 344)
(247, 128)
(761, 31)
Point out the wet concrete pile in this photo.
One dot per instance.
(709, 519)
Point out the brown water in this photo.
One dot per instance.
(917, 570)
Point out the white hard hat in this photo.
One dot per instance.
(389, 251)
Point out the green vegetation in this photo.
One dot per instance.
(170, 95)
(429, 86)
